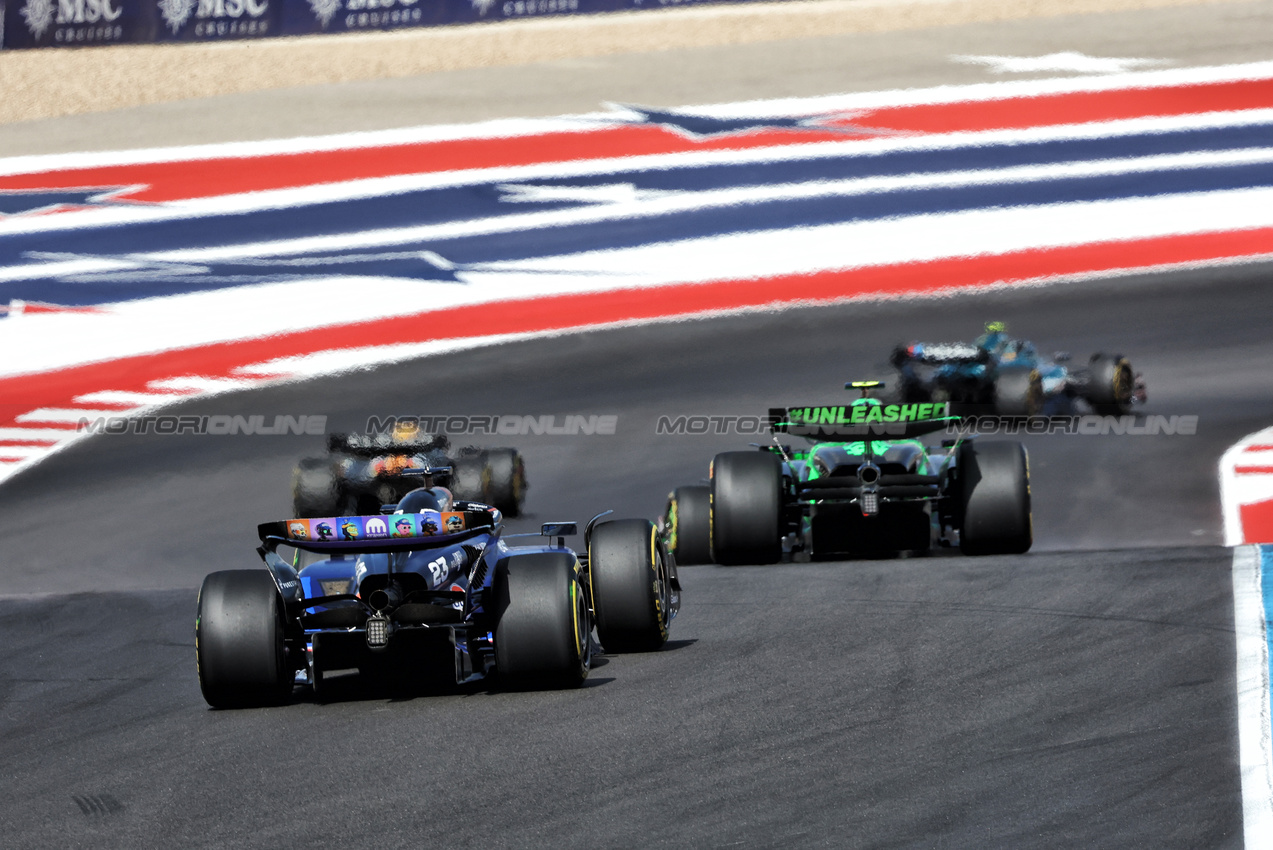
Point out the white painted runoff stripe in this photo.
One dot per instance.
(40, 435)
(201, 384)
(1255, 752)
(65, 414)
(21, 452)
(46, 269)
(126, 397)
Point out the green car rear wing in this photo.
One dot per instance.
(861, 421)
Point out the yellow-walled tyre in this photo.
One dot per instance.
(689, 519)
(631, 588)
(543, 635)
(1111, 384)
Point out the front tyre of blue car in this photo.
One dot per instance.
(239, 641)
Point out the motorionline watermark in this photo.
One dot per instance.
(214, 424)
(710, 424)
(504, 425)
(1087, 425)
(1084, 425)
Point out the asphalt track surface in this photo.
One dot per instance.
(1082, 694)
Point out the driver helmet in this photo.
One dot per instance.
(995, 338)
(420, 499)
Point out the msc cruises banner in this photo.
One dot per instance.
(214, 20)
(75, 23)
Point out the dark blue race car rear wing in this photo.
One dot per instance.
(380, 533)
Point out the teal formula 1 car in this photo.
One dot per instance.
(865, 486)
(999, 374)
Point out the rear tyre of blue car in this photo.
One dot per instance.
(631, 588)
(994, 495)
(239, 640)
(543, 635)
(746, 508)
(689, 514)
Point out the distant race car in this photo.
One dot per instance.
(429, 592)
(1007, 376)
(363, 471)
(866, 486)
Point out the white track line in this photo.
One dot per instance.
(21, 452)
(128, 397)
(36, 435)
(71, 415)
(202, 384)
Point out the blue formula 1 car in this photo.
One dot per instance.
(865, 486)
(998, 374)
(429, 592)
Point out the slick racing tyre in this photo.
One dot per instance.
(507, 474)
(746, 511)
(239, 640)
(543, 636)
(1110, 384)
(689, 525)
(314, 489)
(993, 489)
(469, 481)
(631, 588)
(1018, 392)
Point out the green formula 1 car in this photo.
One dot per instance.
(865, 486)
